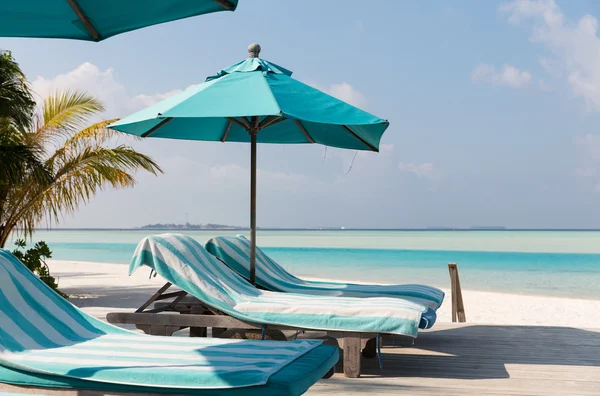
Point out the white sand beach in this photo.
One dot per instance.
(100, 288)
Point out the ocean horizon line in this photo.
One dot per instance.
(449, 229)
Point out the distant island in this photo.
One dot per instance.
(188, 226)
(472, 228)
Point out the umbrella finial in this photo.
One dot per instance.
(254, 50)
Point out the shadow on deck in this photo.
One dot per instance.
(482, 352)
(480, 360)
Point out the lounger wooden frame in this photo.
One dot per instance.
(151, 321)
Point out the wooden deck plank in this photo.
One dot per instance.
(459, 359)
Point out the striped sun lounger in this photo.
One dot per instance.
(235, 252)
(185, 263)
(48, 346)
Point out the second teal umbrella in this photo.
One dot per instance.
(96, 20)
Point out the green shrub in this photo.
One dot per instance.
(35, 259)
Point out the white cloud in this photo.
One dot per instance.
(508, 76)
(543, 86)
(585, 172)
(103, 84)
(270, 180)
(148, 100)
(237, 177)
(574, 44)
(522, 9)
(551, 66)
(386, 148)
(343, 91)
(588, 169)
(589, 146)
(347, 93)
(425, 169)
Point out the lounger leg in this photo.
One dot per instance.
(370, 349)
(217, 331)
(352, 351)
(197, 331)
(144, 328)
(158, 330)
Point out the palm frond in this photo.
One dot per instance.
(78, 177)
(79, 164)
(16, 102)
(96, 134)
(19, 158)
(63, 113)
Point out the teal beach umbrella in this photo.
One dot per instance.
(257, 101)
(96, 20)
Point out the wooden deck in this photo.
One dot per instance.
(481, 360)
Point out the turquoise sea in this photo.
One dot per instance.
(550, 263)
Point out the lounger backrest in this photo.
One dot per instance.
(33, 316)
(191, 267)
(235, 252)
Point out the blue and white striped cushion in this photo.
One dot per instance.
(185, 263)
(43, 333)
(235, 252)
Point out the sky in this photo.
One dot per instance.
(494, 111)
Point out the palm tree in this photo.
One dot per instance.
(16, 102)
(17, 159)
(16, 111)
(78, 162)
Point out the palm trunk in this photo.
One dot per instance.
(4, 233)
(2, 226)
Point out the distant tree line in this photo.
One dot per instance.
(188, 226)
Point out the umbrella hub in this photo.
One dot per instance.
(254, 50)
(252, 64)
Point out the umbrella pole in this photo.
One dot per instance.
(253, 208)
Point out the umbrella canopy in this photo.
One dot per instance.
(257, 101)
(96, 20)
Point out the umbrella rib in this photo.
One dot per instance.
(246, 122)
(157, 126)
(304, 131)
(84, 19)
(363, 141)
(224, 138)
(271, 120)
(225, 4)
(232, 119)
(277, 121)
(267, 121)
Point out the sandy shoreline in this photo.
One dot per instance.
(100, 288)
